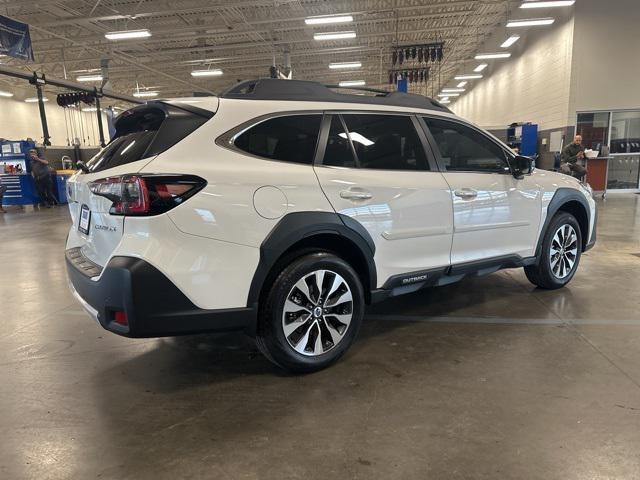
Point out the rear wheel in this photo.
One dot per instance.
(559, 255)
(312, 313)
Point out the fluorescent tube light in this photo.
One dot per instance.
(530, 22)
(352, 83)
(447, 95)
(510, 41)
(444, 99)
(548, 4)
(128, 34)
(444, 102)
(145, 93)
(462, 84)
(324, 20)
(89, 109)
(467, 77)
(480, 67)
(341, 65)
(214, 72)
(356, 137)
(89, 78)
(5, 94)
(453, 90)
(488, 56)
(35, 99)
(334, 35)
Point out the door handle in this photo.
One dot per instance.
(466, 193)
(355, 195)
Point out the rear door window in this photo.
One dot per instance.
(338, 151)
(379, 142)
(290, 138)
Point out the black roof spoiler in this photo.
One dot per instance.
(303, 90)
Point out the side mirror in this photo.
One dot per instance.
(521, 166)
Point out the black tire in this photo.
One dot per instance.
(541, 274)
(271, 339)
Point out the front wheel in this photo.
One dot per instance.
(312, 313)
(559, 255)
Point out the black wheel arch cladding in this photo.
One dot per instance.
(571, 201)
(295, 227)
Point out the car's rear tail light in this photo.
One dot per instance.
(146, 195)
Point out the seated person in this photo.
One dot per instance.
(570, 155)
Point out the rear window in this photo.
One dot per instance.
(145, 131)
(290, 138)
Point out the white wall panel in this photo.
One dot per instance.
(530, 86)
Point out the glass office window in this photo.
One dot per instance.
(625, 132)
(594, 128)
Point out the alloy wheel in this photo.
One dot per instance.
(564, 251)
(317, 312)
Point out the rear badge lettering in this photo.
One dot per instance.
(106, 228)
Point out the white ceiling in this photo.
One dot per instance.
(242, 37)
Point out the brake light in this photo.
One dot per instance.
(145, 195)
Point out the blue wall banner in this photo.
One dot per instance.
(15, 40)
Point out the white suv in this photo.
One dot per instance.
(282, 207)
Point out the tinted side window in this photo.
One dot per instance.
(386, 142)
(464, 149)
(338, 152)
(290, 138)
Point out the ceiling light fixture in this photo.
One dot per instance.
(90, 109)
(467, 77)
(510, 41)
(453, 90)
(530, 22)
(35, 99)
(488, 56)
(352, 83)
(447, 95)
(128, 34)
(334, 35)
(480, 67)
(327, 19)
(341, 65)
(462, 84)
(5, 94)
(445, 101)
(214, 72)
(548, 4)
(145, 93)
(89, 78)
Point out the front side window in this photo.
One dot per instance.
(386, 142)
(463, 149)
(290, 138)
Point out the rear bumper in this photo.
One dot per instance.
(154, 306)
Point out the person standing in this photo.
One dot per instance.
(42, 178)
(570, 156)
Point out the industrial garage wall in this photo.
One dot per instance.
(533, 85)
(20, 120)
(606, 56)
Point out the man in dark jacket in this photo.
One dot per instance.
(570, 156)
(42, 178)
